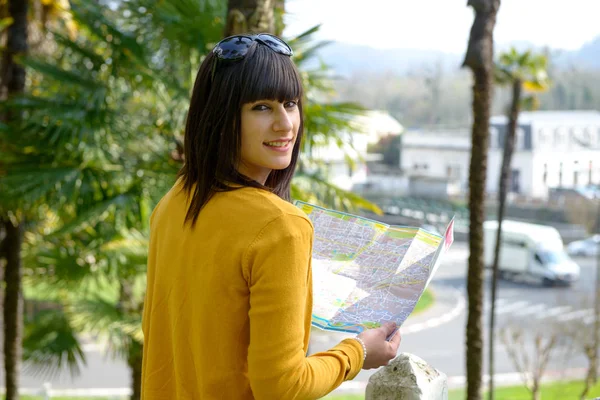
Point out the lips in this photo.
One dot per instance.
(278, 143)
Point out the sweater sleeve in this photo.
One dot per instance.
(277, 266)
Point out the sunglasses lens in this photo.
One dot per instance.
(233, 48)
(275, 43)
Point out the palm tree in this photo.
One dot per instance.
(81, 156)
(479, 58)
(520, 71)
(250, 16)
(98, 150)
(12, 84)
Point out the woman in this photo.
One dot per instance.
(229, 291)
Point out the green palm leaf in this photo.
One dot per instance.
(50, 344)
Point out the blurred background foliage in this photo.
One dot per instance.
(99, 142)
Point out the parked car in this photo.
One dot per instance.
(530, 250)
(586, 247)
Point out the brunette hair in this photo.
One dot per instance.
(212, 139)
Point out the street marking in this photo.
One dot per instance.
(554, 312)
(588, 320)
(437, 321)
(575, 315)
(511, 307)
(530, 310)
(488, 305)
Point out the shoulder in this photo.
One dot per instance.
(267, 209)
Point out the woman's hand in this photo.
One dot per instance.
(379, 350)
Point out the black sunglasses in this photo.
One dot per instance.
(236, 47)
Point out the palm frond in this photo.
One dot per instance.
(50, 345)
(102, 317)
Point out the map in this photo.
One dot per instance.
(366, 273)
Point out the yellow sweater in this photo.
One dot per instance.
(228, 303)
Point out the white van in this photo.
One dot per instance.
(530, 250)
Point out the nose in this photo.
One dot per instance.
(283, 120)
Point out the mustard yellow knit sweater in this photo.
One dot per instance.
(228, 303)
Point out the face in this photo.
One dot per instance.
(269, 132)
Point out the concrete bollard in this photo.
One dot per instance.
(46, 388)
(407, 377)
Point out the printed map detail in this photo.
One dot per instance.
(366, 273)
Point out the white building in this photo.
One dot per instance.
(553, 149)
(353, 146)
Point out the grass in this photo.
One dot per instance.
(550, 391)
(424, 303)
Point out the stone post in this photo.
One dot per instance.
(407, 377)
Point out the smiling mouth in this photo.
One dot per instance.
(278, 143)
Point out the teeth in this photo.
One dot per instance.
(276, 144)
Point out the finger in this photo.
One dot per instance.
(395, 340)
(388, 328)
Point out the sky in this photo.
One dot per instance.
(444, 24)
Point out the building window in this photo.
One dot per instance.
(560, 173)
(519, 139)
(557, 137)
(542, 137)
(515, 186)
(545, 176)
(494, 138)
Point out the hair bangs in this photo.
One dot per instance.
(268, 75)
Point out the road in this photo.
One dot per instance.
(443, 345)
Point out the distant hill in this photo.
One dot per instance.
(588, 56)
(347, 58)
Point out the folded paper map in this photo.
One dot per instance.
(366, 273)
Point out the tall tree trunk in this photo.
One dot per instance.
(592, 372)
(13, 309)
(480, 59)
(128, 305)
(509, 146)
(250, 16)
(13, 82)
(279, 13)
(134, 361)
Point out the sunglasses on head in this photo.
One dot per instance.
(236, 47)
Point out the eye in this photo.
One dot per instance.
(291, 104)
(260, 107)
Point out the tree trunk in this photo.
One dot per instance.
(13, 309)
(592, 372)
(134, 361)
(509, 146)
(250, 16)
(128, 306)
(13, 82)
(480, 59)
(279, 13)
